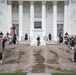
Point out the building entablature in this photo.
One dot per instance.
(37, 0)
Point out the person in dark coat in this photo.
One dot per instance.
(49, 36)
(1, 33)
(38, 40)
(66, 33)
(7, 33)
(26, 36)
(61, 40)
(3, 42)
(72, 43)
(0, 57)
(75, 57)
(14, 39)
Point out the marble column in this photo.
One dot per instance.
(31, 19)
(55, 20)
(9, 8)
(44, 18)
(70, 18)
(66, 17)
(20, 20)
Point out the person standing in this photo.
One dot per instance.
(75, 57)
(38, 40)
(1, 33)
(7, 34)
(49, 36)
(3, 42)
(72, 43)
(61, 40)
(14, 39)
(26, 37)
(0, 57)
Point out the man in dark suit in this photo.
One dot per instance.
(0, 57)
(75, 57)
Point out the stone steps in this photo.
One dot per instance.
(38, 74)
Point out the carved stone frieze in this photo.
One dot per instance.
(55, 2)
(32, 2)
(43, 2)
(9, 2)
(20, 2)
(66, 2)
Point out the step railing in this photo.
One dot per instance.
(23, 41)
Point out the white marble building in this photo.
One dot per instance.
(38, 17)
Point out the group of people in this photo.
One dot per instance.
(9, 40)
(13, 39)
(38, 39)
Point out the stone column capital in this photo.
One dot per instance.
(32, 2)
(9, 2)
(43, 2)
(20, 2)
(66, 2)
(55, 2)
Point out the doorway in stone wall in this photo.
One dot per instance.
(60, 28)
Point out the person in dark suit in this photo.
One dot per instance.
(75, 57)
(38, 40)
(49, 36)
(3, 42)
(7, 33)
(61, 40)
(66, 33)
(1, 33)
(72, 43)
(26, 37)
(14, 39)
(0, 57)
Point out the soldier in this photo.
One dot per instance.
(26, 36)
(0, 57)
(38, 40)
(61, 40)
(49, 36)
(14, 39)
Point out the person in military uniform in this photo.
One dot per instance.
(49, 36)
(38, 40)
(26, 37)
(0, 57)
